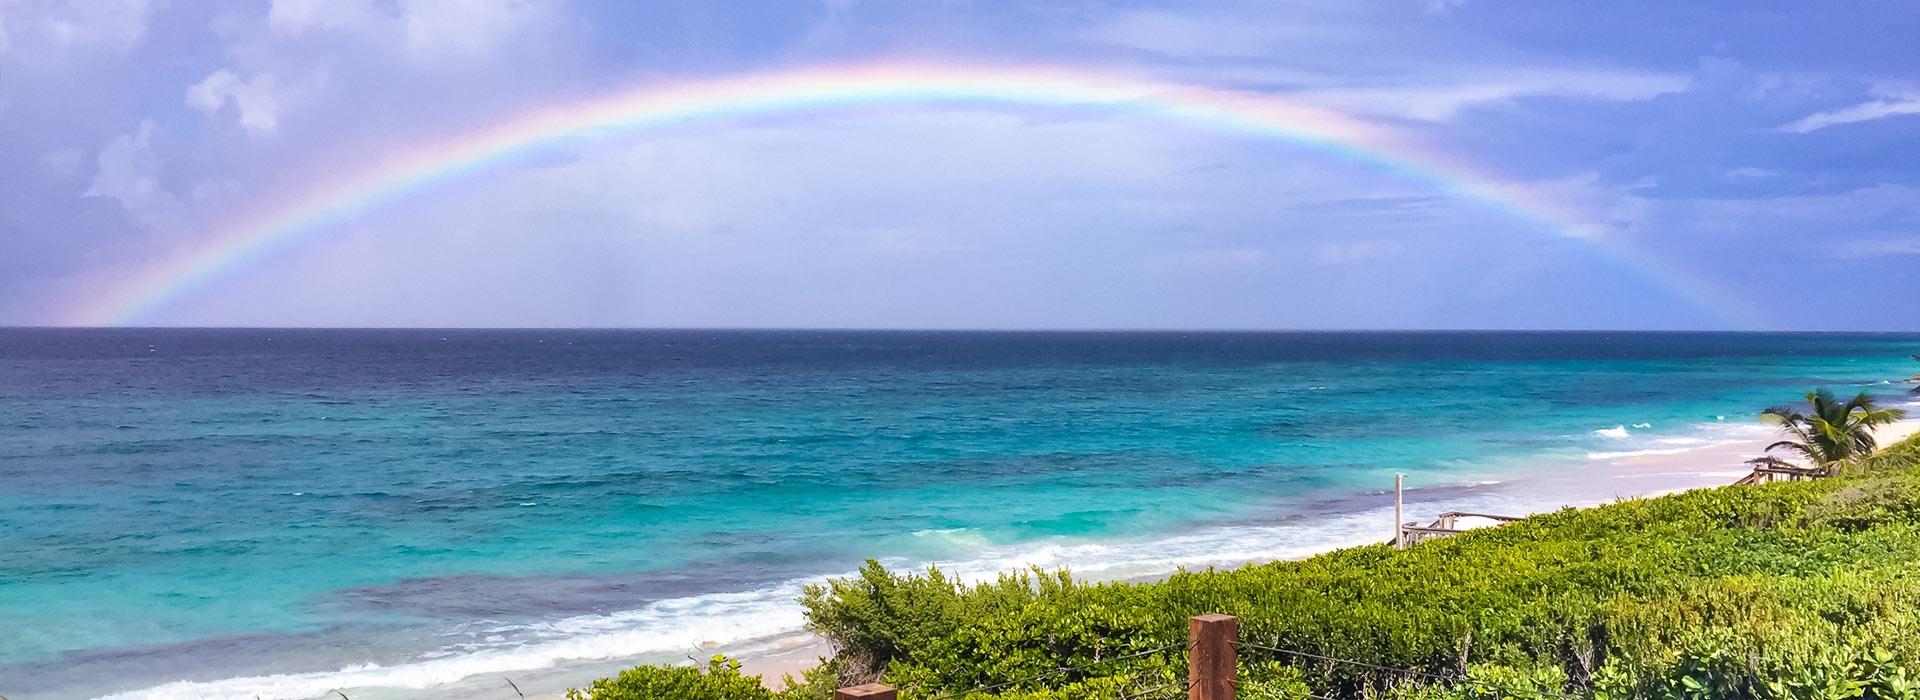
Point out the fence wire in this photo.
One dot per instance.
(1058, 672)
(1152, 693)
(1408, 671)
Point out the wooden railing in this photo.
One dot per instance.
(1406, 534)
(1447, 524)
(1766, 474)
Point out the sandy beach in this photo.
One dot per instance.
(1709, 465)
(1652, 473)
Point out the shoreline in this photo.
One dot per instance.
(1709, 457)
(1710, 465)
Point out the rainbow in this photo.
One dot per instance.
(325, 205)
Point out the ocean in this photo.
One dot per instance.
(421, 513)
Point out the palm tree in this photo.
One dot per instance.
(1830, 438)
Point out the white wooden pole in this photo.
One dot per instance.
(1399, 535)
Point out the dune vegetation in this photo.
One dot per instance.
(1796, 590)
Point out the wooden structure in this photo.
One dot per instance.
(1406, 534)
(1769, 473)
(1213, 660)
(1447, 524)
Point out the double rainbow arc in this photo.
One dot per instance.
(661, 107)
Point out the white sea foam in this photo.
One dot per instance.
(665, 626)
(1698, 436)
(1637, 453)
(667, 629)
(1618, 432)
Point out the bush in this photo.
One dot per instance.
(722, 681)
(876, 617)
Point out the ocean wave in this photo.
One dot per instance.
(666, 626)
(729, 622)
(1697, 437)
(1638, 453)
(1618, 432)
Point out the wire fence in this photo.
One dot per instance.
(1154, 693)
(1410, 672)
(1061, 671)
(1212, 661)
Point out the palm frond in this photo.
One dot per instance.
(1806, 451)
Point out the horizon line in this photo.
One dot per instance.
(982, 329)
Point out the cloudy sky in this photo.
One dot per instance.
(1726, 165)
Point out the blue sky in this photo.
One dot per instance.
(1766, 153)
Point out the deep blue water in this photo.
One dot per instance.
(200, 505)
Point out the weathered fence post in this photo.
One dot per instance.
(870, 691)
(1212, 656)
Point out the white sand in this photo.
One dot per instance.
(1627, 476)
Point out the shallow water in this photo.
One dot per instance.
(279, 513)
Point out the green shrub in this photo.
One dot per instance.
(874, 618)
(722, 681)
(817, 683)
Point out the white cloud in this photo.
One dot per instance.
(130, 172)
(297, 16)
(1353, 58)
(216, 190)
(1211, 261)
(1357, 251)
(274, 74)
(1877, 248)
(63, 163)
(1440, 100)
(1191, 35)
(48, 29)
(1886, 106)
(451, 30)
(1751, 173)
(426, 31)
(259, 100)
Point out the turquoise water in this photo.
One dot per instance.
(200, 513)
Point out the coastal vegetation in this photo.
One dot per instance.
(1831, 438)
(1788, 591)
(721, 681)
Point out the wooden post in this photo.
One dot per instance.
(870, 691)
(1399, 522)
(1212, 656)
